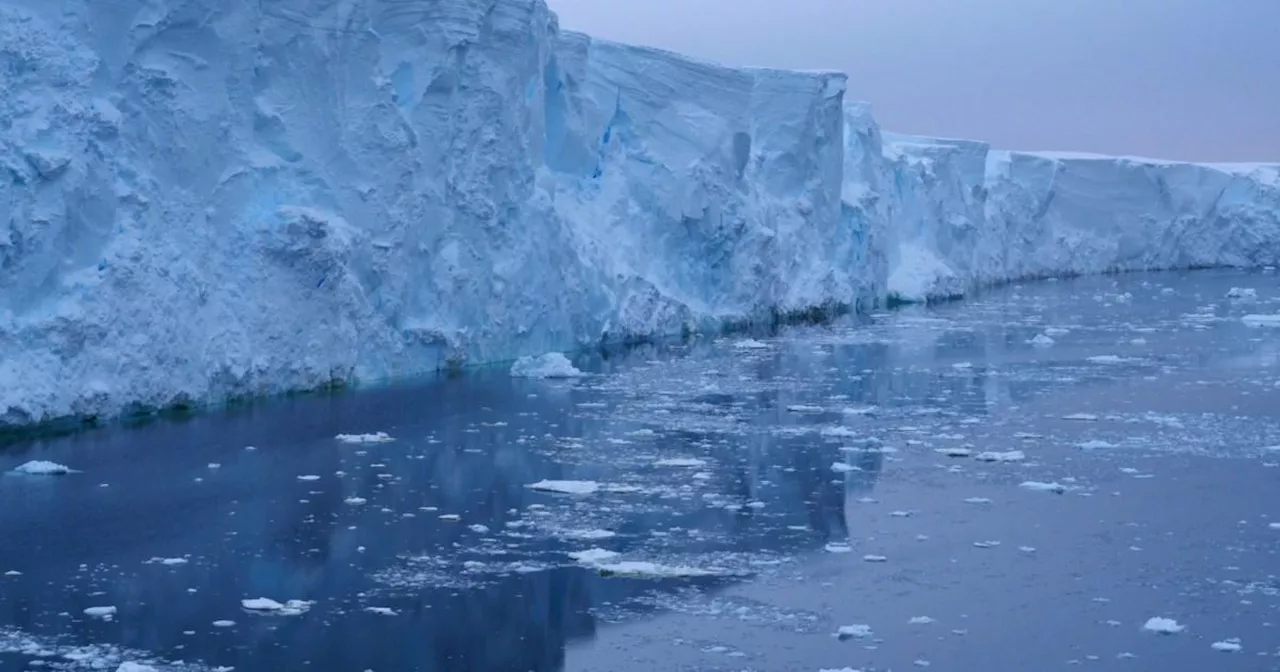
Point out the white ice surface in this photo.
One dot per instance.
(42, 468)
(211, 199)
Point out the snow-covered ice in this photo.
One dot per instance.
(331, 220)
(42, 468)
(857, 630)
(1163, 625)
(266, 605)
(1262, 320)
(376, 437)
(566, 487)
(1042, 486)
(1001, 456)
(100, 612)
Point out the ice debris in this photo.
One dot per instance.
(550, 365)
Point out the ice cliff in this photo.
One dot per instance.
(201, 200)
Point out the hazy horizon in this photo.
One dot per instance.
(1195, 80)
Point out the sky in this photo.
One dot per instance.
(1195, 80)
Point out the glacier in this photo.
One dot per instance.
(205, 200)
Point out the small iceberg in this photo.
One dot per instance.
(856, 631)
(266, 605)
(1261, 320)
(550, 365)
(1229, 645)
(649, 570)
(105, 613)
(680, 462)
(996, 456)
(593, 556)
(1040, 486)
(566, 487)
(1163, 626)
(376, 437)
(42, 468)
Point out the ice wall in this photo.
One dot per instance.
(970, 216)
(203, 199)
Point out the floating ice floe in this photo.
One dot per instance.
(1111, 359)
(566, 487)
(376, 437)
(1086, 417)
(805, 408)
(838, 547)
(1229, 645)
(1163, 626)
(166, 561)
(997, 456)
(42, 468)
(649, 570)
(680, 462)
(855, 631)
(750, 344)
(266, 605)
(593, 556)
(875, 558)
(843, 467)
(1042, 341)
(308, 477)
(860, 410)
(381, 611)
(1242, 293)
(954, 452)
(1095, 444)
(1041, 486)
(1261, 320)
(224, 623)
(355, 501)
(105, 613)
(920, 620)
(130, 666)
(550, 365)
(588, 535)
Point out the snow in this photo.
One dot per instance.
(321, 209)
(566, 487)
(42, 468)
(550, 365)
(1162, 625)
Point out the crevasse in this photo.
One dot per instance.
(214, 198)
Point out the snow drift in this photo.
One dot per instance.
(201, 200)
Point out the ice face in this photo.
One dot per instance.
(972, 216)
(204, 200)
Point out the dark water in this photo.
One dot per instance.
(795, 457)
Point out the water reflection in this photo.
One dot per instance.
(250, 527)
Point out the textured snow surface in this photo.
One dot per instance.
(203, 200)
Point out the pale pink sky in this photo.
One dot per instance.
(1179, 79)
